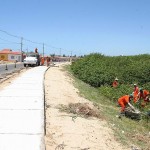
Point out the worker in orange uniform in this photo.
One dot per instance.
(115, 83)
(48, 61)
(42, 61)
(144, 94)
(125, 101)
(135, 93)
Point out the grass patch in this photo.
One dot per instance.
(126, 131)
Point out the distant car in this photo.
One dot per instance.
(32, 59)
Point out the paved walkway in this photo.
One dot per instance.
(22, 112)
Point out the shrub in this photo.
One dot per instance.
(99, 70)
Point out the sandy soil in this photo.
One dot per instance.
(64, 132)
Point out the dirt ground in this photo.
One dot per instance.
(66, 130)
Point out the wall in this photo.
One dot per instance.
(4, 57)
(12, 57)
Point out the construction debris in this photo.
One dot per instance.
(81, 109)
(132, 114)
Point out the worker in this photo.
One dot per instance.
(125, 101)
(135, 93)
(42, 61)
(115, 83)
(48, 61)
(144, 94)
(36, 50)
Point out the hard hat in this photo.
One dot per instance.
(141, 89)
(131, 95)
(116, 78)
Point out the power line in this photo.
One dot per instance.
(20, 37)
(10, 34)
(34, 42)
(9, 41)
(52, 46)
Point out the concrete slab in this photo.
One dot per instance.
(21, 142)
(21, 93)
(21, 103)
(21, 121)
(27, 80)
(35, 79)
(24, 87)
(22, 112)
(33, 83)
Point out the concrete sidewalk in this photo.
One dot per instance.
(22, 112)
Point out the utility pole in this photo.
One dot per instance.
(21, 48)
(43, 49)
(71, 57)
(60, 52)
(27, 50)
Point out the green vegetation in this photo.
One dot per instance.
(99, 71)
(126, 130)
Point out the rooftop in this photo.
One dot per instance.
(9, 51)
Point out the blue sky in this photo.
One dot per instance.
(110, 27)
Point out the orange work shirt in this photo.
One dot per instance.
(42, 61)
(123, 101)
(144, 94)
(135, 92)
(115, 83)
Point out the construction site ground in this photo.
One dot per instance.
(72, 122)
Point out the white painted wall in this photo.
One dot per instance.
(13, 57)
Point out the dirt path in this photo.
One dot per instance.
(64, 132)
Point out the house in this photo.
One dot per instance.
(9, 55)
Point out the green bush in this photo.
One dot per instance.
(115, 93)
(99, 70)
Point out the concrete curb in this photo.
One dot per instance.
(44, 103)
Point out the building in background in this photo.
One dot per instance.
(9, 55)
